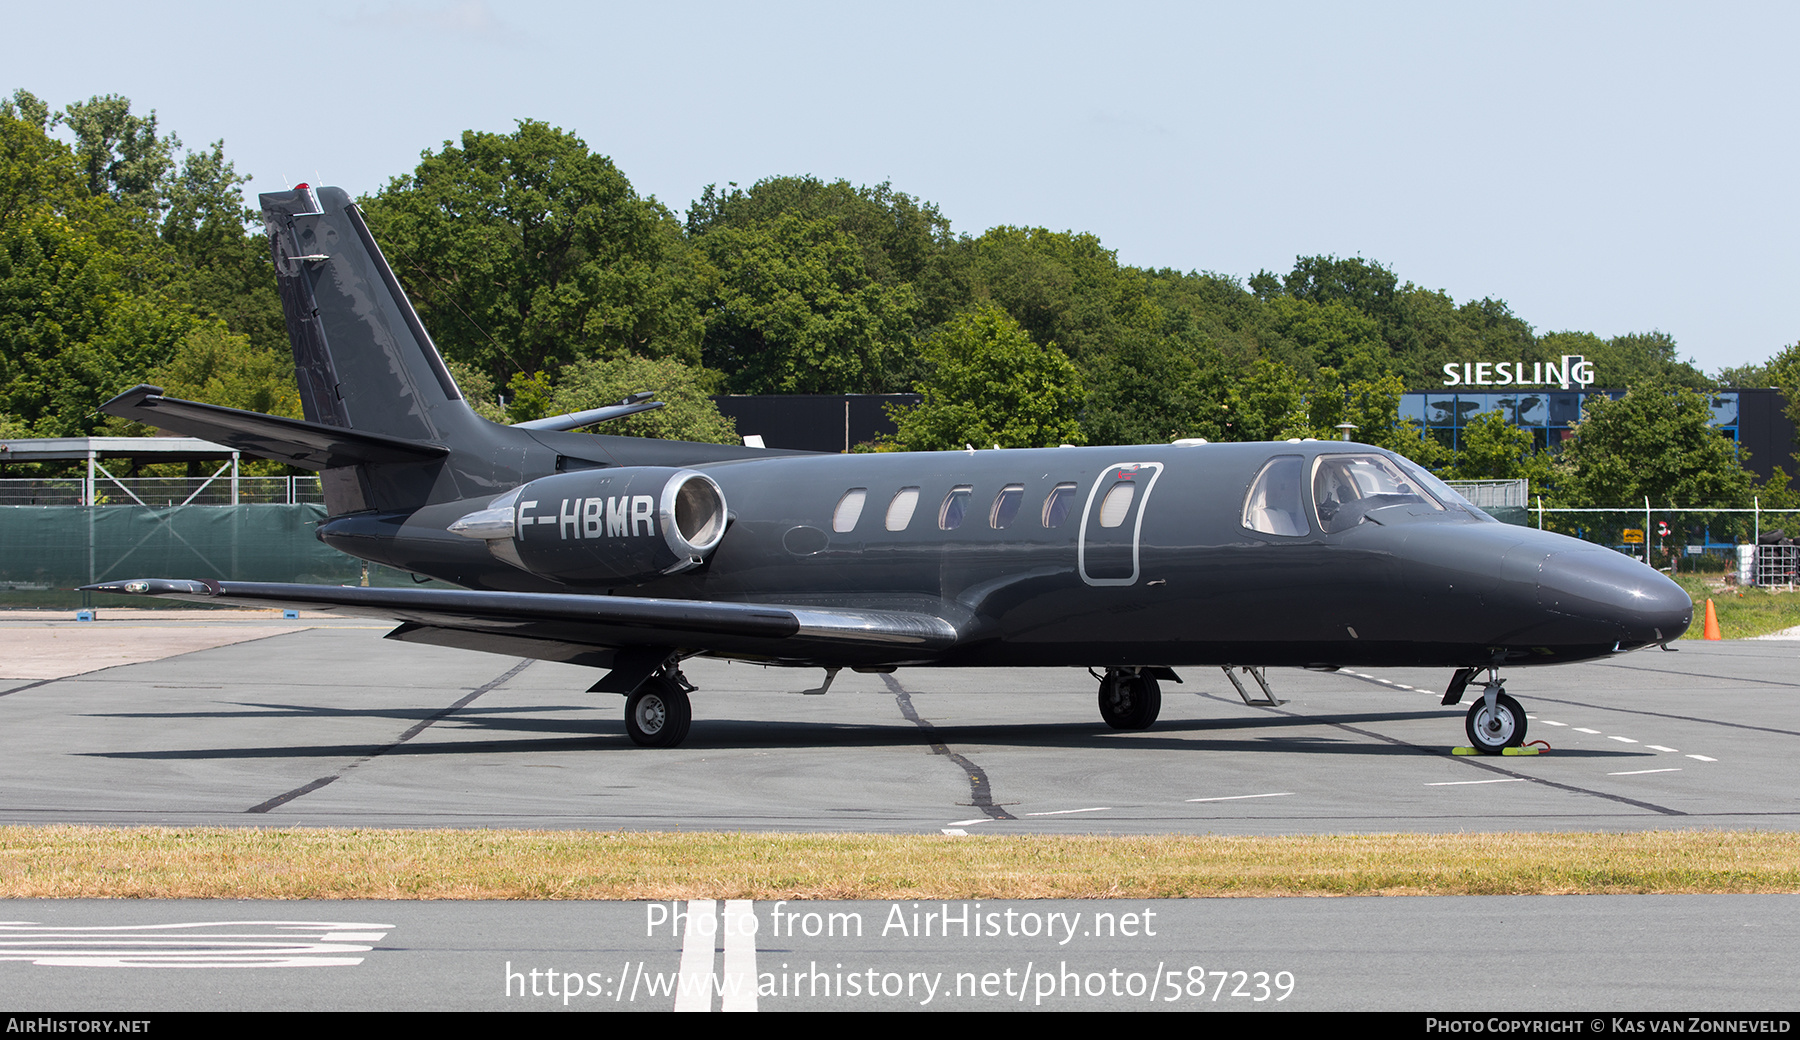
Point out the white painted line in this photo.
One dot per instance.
(1639, 772)
(1464, 783)
(693, 987)
(1702, 758)
(192, 944)
(1240, 797)
(967, 823)
(1584, 729)
(1549, 722)
(1627, 740)
(1065, 812)
(956, 832)
(1659, 747)
(737, 991)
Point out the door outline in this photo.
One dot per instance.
(1137, 530)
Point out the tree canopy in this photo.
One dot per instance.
(550, 283)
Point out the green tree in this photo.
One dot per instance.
(989, 384)
(216, 366)
(1656, 441)
(791, 309)
(526, 251)
(121, 154)
(688, 414)
(1152, 389)
(1494, 449)
(1266, 403)
(899, 235)
(85, 306)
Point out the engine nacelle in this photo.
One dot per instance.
(622, 526)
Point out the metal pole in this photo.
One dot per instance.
(1646, 529)
(1540, 512)
(234, 478)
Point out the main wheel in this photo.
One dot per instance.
(658, 714)
(1493, 733)
(1129, 701)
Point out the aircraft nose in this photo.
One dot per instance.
(1605, 587)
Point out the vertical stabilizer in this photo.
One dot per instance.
(364, 361)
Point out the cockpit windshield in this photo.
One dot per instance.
(1443, 492)
(1346, 487)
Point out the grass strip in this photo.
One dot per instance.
(240, 863)
(1742, 612)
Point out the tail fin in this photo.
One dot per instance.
(362, 358)
(365, 363)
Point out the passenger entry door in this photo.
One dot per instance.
(1112, 523)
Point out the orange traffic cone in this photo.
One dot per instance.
(1712, 623)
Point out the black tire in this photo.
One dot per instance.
(658, 714)
(1506, 728)
(1129, 701)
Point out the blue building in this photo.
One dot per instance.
(1753, 418)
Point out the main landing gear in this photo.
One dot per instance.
(1129, 698)
(658, 714)
(1496, 721)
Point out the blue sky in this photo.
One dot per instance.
(1604, 167)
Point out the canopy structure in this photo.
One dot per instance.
(140, 450)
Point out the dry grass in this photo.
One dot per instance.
(233, 863)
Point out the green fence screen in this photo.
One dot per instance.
(47, 551)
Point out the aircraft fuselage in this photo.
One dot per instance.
(1017, 549)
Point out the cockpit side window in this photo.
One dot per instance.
(1347, 487)
(1274, 505)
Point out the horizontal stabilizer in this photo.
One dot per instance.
(576, 420)
(564, 623)
(296, 442)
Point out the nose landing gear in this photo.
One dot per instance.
(1496, 721)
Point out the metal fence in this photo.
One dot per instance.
(1494, 494)
(161, 492)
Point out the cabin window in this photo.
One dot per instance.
(900, 510)
(955, 507)
(849, 510)
(1116, 506)
(1057, 504)
(1273, 505)
(1006, 506)
(1348, 487)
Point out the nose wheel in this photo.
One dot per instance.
(1495, 723)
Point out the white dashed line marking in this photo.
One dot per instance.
(1639, 772)
(1548, 722)
(1627, 740)
(1659, 747)
(1465, 783)
(1237, 797)
(967, 823)
(1584, 729)
(1702, 758)
(1065, 812)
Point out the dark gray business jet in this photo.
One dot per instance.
(632, 555)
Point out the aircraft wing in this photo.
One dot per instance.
(602, 631)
